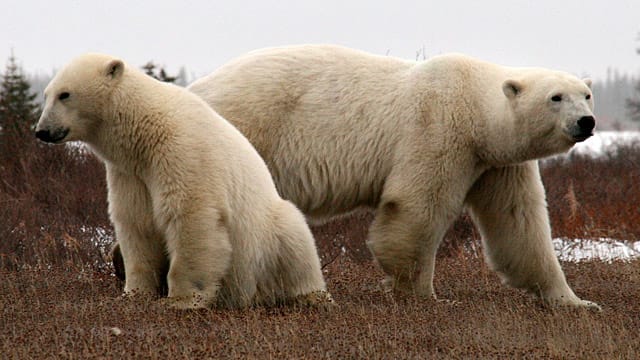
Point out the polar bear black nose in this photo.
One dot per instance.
(44, 135)
(587, 123)
(55, 136)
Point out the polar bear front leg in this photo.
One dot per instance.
(142, 247)
(200, 252)
(508, 205)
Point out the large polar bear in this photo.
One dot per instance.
(186, 190)
(340, 128)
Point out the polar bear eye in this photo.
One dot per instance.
(588, 96)
(63, 95)
(556, 98)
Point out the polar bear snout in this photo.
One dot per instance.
(584, 128)
(55, 136)
(587, 123)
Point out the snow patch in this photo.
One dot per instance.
(604, 249)
(603, 141)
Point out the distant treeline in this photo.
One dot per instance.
(610, 96)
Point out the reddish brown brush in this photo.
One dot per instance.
(53, 199)
(592, 197)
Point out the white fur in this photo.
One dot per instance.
(340, 128)
(185, 187)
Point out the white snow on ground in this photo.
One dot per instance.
(101, 237)
(590, 249)
(603, 140)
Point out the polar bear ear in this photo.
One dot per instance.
(511, 88)
(588, 82)
(114, 69)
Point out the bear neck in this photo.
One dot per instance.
(499, 141)
(136, 128)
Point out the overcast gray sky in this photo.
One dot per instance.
(583, 37)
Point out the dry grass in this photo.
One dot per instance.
(73, 315)
(58, 299)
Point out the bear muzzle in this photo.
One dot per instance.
(52, 136)
(584, 128)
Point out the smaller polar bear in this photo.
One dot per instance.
(187, 191)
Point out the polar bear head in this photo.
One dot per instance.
(552, 110)
(76, 98)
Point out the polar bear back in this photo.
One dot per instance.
(302, 87)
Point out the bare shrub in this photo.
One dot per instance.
(53, 203)
(592, 197)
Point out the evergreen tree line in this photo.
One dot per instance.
(617, 98)
(612, 97)
(633, 103)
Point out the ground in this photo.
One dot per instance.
(70, 314)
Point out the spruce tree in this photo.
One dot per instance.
(18, 108)
(18, 113)
(633, 104)
(158, 73)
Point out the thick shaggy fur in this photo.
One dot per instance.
(340, 128)
(187, 191)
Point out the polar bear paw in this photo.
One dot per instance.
(318, 299)
(195, 301)
(572, 301)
